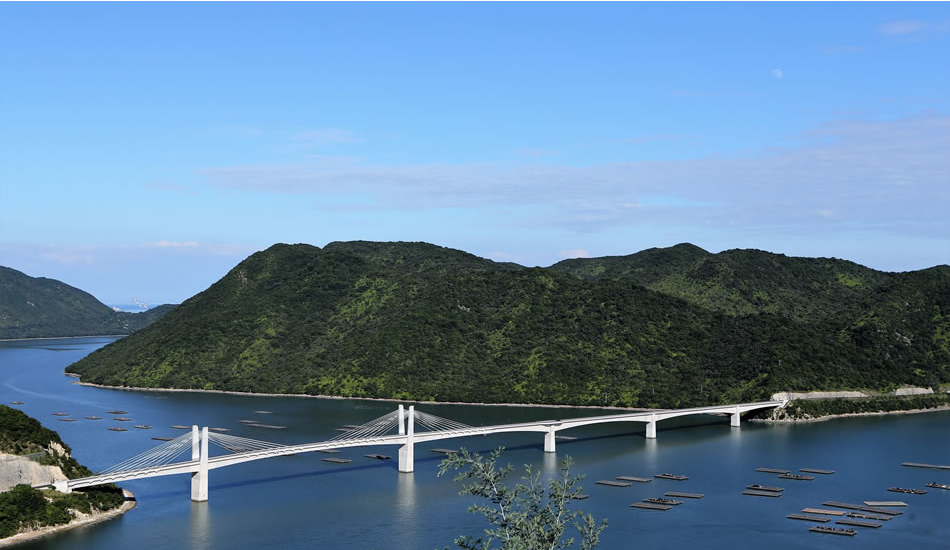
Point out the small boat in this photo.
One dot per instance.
(16, 402)
(798, 477)
(143, 426)
(676, 477)
(905, 490)
(220, 430)
(159, 438)
(936, 485)
(181, 427)
(67, 419)
(60, 414)
(661, 500)
(93, 418)
(833, 530)
(118, 412)
(122, 419)
(117, 429)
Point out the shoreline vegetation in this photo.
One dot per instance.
(81, 521)
(818, 410)
(805, 413)
(62, 337)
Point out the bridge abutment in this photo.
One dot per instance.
(407, 449)
(199, 452)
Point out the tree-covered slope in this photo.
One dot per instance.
(23, 508)
(417, 321)
(739, 282)
(37, 307)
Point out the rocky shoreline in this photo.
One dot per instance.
(847, 415)
(81, 520)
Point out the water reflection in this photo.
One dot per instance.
(201, 536)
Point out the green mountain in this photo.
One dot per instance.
(36, 307)
(739, 282)
(422, 322)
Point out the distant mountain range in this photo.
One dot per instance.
(36, 307)
(668, 327)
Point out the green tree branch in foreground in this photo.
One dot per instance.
(525, 517)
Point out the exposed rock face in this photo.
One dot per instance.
(788, 396)
(914, 391)
(20, 469)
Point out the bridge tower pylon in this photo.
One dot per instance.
(407, 449)
(199, 452)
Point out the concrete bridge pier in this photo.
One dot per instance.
(651, 427)
(734, 418)
(549, 445)
(407, 450)
(199, 452)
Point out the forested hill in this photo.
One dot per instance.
(36, 307)
(418, 321)
(739, 282)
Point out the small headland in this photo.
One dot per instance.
(820, 406)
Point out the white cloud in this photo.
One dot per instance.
(870, 173)
(777, 73)
(900, 27)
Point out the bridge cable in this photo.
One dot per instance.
(439, 424)
(158, 456)
(236, 444)
(373, 428)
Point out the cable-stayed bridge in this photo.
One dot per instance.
(395, 428)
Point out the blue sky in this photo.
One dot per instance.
(147, 148)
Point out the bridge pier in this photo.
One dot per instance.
(651, 427)
(407, 449)
(199, 452)
(549, 445)
(734, 418)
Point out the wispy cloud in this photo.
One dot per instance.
(901, 27)
(914, 29)
(867, 173)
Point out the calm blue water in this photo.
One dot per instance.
(302, 502)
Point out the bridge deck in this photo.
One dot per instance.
(543, 426)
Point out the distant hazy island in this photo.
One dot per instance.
(669, 327)
(37, 307)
